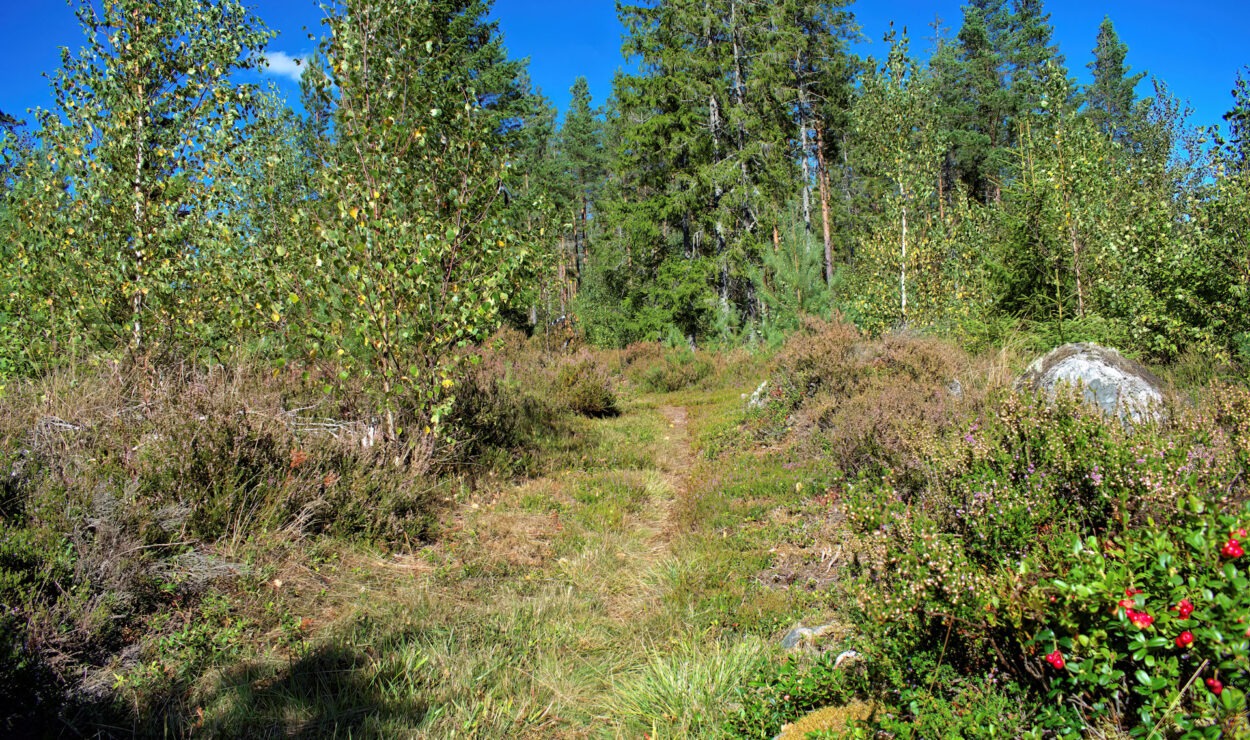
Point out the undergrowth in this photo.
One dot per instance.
(1030, 567)
(614, 542)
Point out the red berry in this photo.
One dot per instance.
(1184, 639)
(1132, 591)
(1140, 620)
(1216, 685)
(1241, 531)
(1185, 607)
(1056, 660)
(1127, 603)
(1232, 549)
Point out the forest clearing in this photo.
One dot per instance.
(733, 407)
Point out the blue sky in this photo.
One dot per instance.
(1196, 47)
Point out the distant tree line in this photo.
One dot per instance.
(758, 170)
(751, 169)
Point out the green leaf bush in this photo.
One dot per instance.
(1062, 549)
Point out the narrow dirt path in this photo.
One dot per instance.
(675, 461)
(676, 456)
(586, 562)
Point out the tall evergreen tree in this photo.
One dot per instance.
(988, 79)
(581, 141)
(813, 40)
(977, 100)
(1110, 99)
(539, 196)
(1032, 57)
(708, 130)
(1239, 123)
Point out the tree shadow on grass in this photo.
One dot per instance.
(332, 691)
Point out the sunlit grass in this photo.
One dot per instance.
(613, 593)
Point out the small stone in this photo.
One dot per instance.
(805, 637)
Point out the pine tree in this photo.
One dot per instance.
(813, 42)
(989, 79)
(1110, 100)
(976, 98)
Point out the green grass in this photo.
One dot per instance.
(612, 591)
(600, 600)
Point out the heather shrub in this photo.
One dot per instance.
(514, 390)
(674, 370)
(127, 493)
(820, 358)
(499, 406)
(584, 385)
(642, 354)
(865, 404)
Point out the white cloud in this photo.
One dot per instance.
(283, 65)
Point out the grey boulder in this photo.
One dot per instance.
(1120, 387)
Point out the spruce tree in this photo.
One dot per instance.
(1239, 124)
(1110, 100)
(708, 126)
(581, 140)
(1032, 57)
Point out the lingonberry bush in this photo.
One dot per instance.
(1168, 651)
(1100, 566)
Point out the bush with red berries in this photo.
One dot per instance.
(1101, 566)
(1153, 628)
